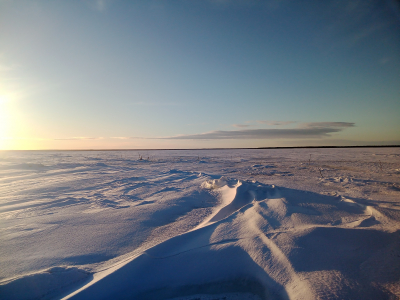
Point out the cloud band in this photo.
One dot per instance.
(306, 130)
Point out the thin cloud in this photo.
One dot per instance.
(354, 25)
(121, 137)
(305, 130)
(78, 138)
(276, 123)
(327, 124)
(241, 125)
(99, 5)
(270, 4)
(127, 137)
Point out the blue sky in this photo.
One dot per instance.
(198, 74)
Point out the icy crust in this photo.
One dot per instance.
(214, 183)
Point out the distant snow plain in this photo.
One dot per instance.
(200, 224)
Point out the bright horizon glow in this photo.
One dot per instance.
(13, 133)
(4, 123)
(206, 74)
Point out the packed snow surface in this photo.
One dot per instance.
(200, 224)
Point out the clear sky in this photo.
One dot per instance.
(198, 73)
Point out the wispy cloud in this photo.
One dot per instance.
(127, 138)
(121, 137)
(304, 130)
(78, 138)
(271, 4)
(276, 123)
(354, 26)
(99, 5)
(327, 124)
(241, 125)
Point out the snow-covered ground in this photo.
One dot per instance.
(201, 224)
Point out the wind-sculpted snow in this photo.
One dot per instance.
(197, 227)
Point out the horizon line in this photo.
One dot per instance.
(240, 148)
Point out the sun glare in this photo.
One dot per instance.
(5, 122)
(14, 134)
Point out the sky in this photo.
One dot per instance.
(168, 74)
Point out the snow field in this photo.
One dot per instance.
(262, 225)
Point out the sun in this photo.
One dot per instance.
(14, 134)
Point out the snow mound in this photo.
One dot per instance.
(262, 243)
